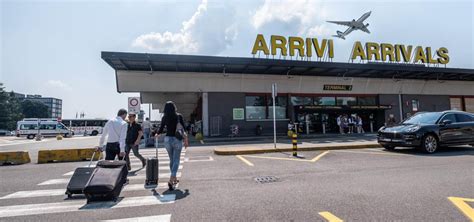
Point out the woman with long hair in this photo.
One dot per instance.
(174, 139)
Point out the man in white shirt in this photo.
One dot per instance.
(116, 132)
(146, 126)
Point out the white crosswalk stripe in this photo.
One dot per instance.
(158, 218)
(78, 205)
(134, 193)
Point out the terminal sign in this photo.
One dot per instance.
(338, 87)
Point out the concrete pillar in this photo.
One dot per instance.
(205, 114)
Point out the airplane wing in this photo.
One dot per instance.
(364, 29)
(341, 23)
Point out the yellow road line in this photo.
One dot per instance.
(277, 158)
(461, 204)
(244, 160)
(330, 217)
(319, 156)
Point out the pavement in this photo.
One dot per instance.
(368, 184)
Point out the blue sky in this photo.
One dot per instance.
(53, 48)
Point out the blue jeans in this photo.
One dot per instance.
(174, 147)
(146, 135)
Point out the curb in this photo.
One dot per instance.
(227, 151)
(67, 155)
(14, 158)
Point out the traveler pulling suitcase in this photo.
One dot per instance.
(79, 179)
(106, 181)
(152, 168)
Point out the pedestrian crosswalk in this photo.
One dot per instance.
(130, 195)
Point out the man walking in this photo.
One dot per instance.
(134, 135)
(146, 125)
(116, 131)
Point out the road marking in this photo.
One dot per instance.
(319, 156)
(277, 158)
(330, 217)
(138, 177)
(71, 206)
(207, 159)
(159, 218)
(60, 192)
(461, 204)
(370, 152)
(244, 160)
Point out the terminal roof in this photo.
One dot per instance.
(270, 66)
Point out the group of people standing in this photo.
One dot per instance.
(122, 135)
(349, 124)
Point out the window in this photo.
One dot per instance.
(28, 127)
(415, 105)
(324, 101)
(464, 118)
(301, 101)
(367, 101)
(346, 101)
(48, 126)
(255, 107)
(449, 117)
(280, 107)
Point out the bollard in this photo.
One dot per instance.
(295, 144)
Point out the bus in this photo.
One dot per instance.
(92, 127)
(30, 127)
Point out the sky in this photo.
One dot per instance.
(53, 48)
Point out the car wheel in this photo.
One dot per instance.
(94, 133)
(30, 136)
(429, 143)
(388, 147)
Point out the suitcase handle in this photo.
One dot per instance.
(156, 146)
(92, 158)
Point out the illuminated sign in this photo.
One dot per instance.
(369, 51)
(338, 87)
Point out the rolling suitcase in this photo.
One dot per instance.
(104, 184)
(152, 168)
(120, 164)
(79, 179)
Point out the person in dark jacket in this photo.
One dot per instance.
(132, 141)
(173, 144)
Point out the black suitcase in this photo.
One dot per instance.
(104, 184)
(79, 179)
(115, 164)
(152, 168)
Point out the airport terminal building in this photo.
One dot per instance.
(217, 92)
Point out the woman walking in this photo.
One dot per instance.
(174, 139)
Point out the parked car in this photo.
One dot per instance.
(430, 130)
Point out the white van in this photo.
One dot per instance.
(29, 127)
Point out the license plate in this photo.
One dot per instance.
(385, 139)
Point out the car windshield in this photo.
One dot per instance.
(423, 118)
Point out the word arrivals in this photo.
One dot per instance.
(304, 47)
(392, 53)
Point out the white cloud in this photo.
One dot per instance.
(210, 30)
(306, 16)
(59, 84)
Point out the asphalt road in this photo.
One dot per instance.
(353, 185)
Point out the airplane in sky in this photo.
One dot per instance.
(353, 25)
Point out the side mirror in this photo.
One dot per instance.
(446, 122)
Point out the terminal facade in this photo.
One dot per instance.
(217, 92)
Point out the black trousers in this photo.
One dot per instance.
(112, 150)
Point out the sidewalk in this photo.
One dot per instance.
(305, 143)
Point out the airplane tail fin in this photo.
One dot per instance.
(339, 35)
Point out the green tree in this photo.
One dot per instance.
(16, 112)
(34, 109)
(4, 111)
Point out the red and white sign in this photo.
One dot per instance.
(134, 104)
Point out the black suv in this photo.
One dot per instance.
(429, 131)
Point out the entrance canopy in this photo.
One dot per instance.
(228, 65)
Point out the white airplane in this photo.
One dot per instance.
(353, 25)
